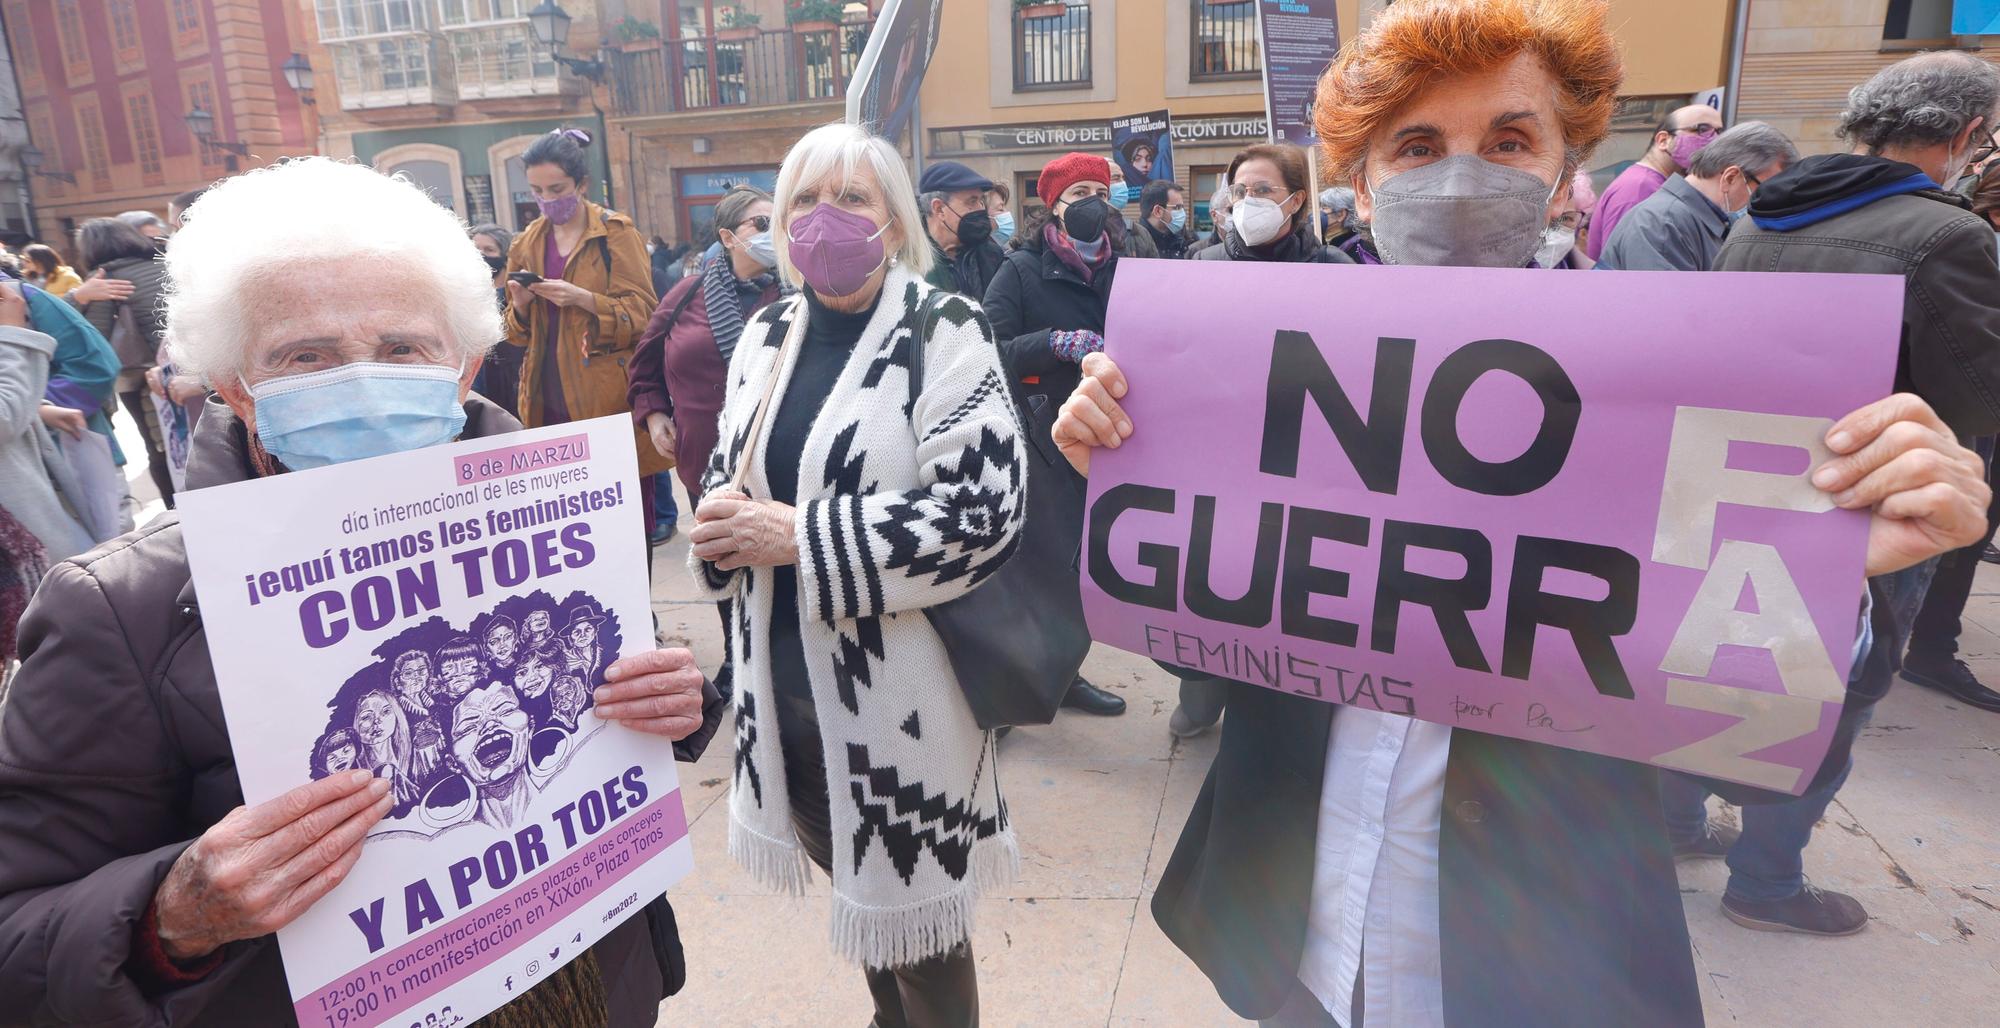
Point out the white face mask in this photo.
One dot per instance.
(1557, 242)
(1258, 221)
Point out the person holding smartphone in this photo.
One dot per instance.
(579, 292)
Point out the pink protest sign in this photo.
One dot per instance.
(1569, 508)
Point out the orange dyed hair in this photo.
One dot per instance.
(1415, 43)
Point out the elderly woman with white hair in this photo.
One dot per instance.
(835, 509)
(341, 315)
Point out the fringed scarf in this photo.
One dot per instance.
(719, 286)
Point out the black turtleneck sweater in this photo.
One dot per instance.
(830, 337)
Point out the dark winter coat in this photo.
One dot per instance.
(1869, 215)
(970, 272)
(114, 758)
(148, 300)
(1298, 248)
(677, 371)
(1034, 293)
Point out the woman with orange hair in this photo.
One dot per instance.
(1343, 865)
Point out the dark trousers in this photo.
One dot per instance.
(1935, 631)
(941, 992)
(1769, 862)
(139, 404)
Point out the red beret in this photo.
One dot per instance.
(1068, 170)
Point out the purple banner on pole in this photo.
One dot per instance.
(1568, 508)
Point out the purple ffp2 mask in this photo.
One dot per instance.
(835, 250)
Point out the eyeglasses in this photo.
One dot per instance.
(761, 223)
(1260, 190)
(1703, 130)
(1985, 152)
(1573, 220)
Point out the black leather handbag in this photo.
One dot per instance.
(1017, 640)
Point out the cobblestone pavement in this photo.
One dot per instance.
(1098, 803)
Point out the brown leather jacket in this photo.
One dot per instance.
(595, 346)
(114, 757)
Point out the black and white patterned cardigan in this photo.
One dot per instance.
(901, 506)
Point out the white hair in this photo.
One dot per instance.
(842, 148)
(325, 213)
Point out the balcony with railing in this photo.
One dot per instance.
(392, 71)
(500, 59)
(1225, 45)
(737, 68)
(1051, 46)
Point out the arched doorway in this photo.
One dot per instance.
(436, 170)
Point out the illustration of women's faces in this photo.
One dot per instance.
(567, 702)
(459, 669)
(413, 678)
(582, 636)
(489, 734)
(540, 630)
(502, 642)
(374, 721)
(532, 678)
(338, 754)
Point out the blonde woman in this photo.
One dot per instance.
(834, 510)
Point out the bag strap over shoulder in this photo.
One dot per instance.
(926, 319)
(675, 315)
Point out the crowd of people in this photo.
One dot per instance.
(855, 381)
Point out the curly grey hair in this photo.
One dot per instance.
(1922, 101)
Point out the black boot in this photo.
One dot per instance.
(1950, 676)
(1090, 699)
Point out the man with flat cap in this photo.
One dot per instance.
(953, 199)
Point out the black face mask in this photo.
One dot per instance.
(975, 228)
(498, 262)
(1084, 220)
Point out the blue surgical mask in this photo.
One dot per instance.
(762, 250)
(1177, 220)
(1120, 195)
(1003, 225)
(357, 411)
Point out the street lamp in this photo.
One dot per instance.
(299, 75)
(550, 24)
(203, 127)
(32, 159)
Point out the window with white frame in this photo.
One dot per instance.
(501, 59)
(479, 12)
(392, 71)
(360, 19)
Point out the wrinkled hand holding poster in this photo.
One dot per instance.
(1565, 507)
(441, 617)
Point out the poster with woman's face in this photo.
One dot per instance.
(440, 621)
(1142, 145)
(478, 743)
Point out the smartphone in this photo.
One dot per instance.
(525, 278)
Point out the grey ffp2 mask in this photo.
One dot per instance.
(1461, 212)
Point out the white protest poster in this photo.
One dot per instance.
(441, 617)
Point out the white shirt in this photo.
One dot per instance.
(1375, 873)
